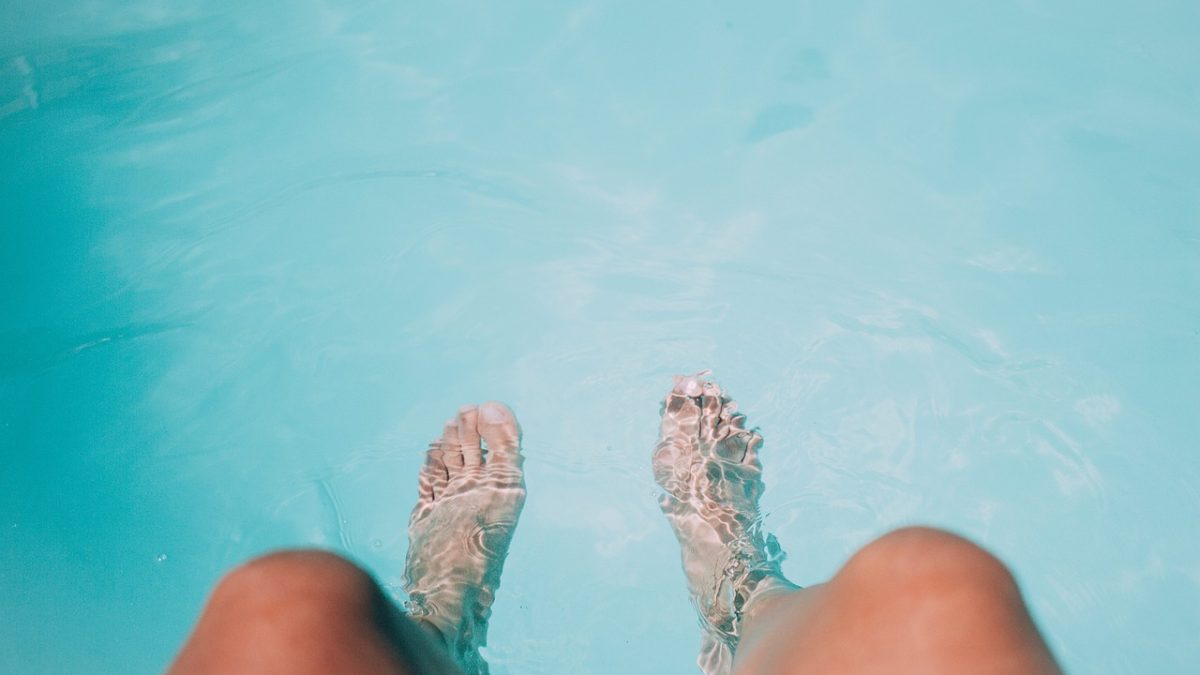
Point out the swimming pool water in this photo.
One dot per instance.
(252, 255)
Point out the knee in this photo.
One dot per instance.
(287, 583)
(925, 565)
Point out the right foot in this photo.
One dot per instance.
(471, 494)
(707, 462)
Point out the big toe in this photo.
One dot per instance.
(678, 435)
(680, 416)
(498, 426)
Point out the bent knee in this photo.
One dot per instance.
(929, 563)
(290, 580)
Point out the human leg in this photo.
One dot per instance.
(313, 612)
(915, 601)
(301, 612)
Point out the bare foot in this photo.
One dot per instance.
(471, 493)
(707, 462)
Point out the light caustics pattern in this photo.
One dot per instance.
(253, 254)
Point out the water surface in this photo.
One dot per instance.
(251, 257)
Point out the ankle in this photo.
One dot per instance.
(460, 639)
(431, 629)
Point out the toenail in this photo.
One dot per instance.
(688, 386)
(493, 413)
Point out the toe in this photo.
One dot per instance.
(452, 454)
(753, 443)
(690, 385)
(734, 446)
(725, 428)
(680, 417)
(468, 436)
(433, 475)
(711, 405)
(498, 426)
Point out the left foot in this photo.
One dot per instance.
(471, 493)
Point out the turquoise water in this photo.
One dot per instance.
(252, 255)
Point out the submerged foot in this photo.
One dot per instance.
(707, 463)
(471, 493)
